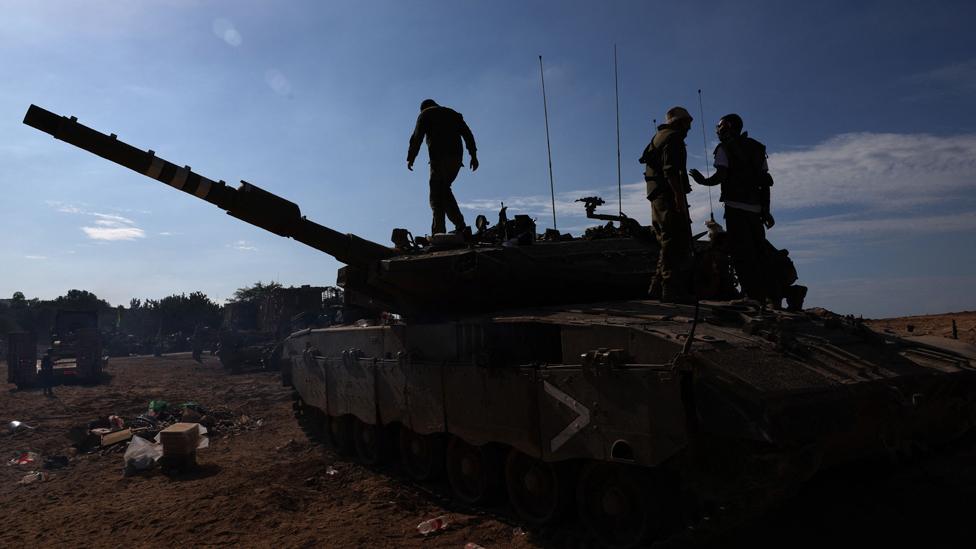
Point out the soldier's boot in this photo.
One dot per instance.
(794, 297)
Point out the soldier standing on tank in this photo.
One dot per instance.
(443, 129)
(742, 172)
(666, 176)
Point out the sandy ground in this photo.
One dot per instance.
(262, 483)
(940, 325)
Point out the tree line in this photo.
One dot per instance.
(177, 313)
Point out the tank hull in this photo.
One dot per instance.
(759, 403)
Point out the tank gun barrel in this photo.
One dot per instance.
(248, 202)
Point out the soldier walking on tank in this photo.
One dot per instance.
(741, 170)
(666, 175)
(443, 129)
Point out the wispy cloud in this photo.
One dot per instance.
(860, 187)
(880, 171)
(960, 76)
(105, 226)
(244, 246)
(35, 257)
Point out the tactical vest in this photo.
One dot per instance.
(747, 182)
(654, 177)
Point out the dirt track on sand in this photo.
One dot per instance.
(266, 485)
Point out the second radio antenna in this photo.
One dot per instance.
(545, 109)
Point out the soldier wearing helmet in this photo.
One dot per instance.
(443, 129)
(666, 175)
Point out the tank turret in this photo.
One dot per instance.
(510, 268)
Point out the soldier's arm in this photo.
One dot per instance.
(720, 176)
(673, 160)
(469, 143)
(416, 139)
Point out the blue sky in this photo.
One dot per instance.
(867, 110)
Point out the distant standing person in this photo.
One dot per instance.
(47, 373)
(741, 170)
(666, 176)
(443, 129)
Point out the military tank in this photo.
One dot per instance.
(533, 369)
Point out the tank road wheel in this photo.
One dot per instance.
(540, 492)
(617, 505)
(474, 471)
(422, 456)
(372, 442)
(339, 431)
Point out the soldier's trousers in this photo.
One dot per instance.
(747, 238)
(674, 262)
(443, 172)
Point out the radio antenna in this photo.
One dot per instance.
(701, 114)
(545, 109)
(616, 98)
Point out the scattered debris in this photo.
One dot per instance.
(116, 423)
(473, 545)
(34, 476)
(141, 455)
(24, 458)
(18, 426)
(56, 462)
(331, 471)
(518, 531)
(433, 525)
(180, 443)
(115, 437)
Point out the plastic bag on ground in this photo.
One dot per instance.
(141, 455)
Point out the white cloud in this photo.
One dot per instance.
(244, 246)
(896, 184)
(114, 233)
(35, 257)
(110, 227)
(880, 171)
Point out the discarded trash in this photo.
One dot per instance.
(116, 437)
(34, 476)
(518, 531)
(157, 406)
(331, 471)
(116, 422)
(18, 426)
(433, 525)
(55, 462)
(24, 458)
(190, 415)
(183, 439)
(473, 545)
(141, 455)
